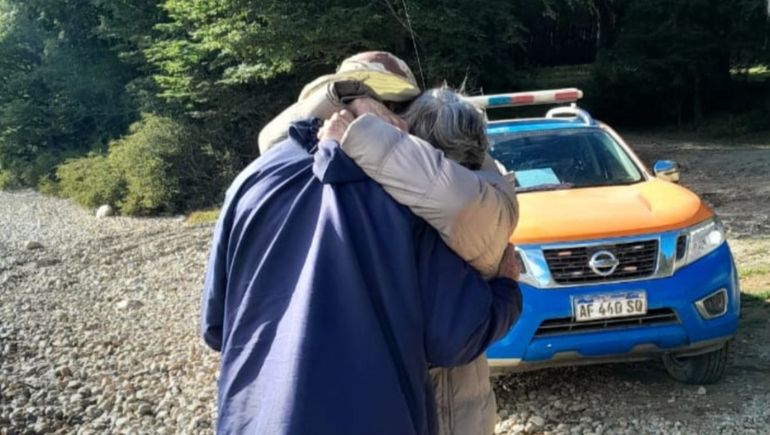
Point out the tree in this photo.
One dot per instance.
(675, 57)
(63, 90)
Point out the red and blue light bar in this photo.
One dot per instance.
(532, 98)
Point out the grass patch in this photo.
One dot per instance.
(756, 73)
(749, 272)
(756, 307)
(203, 217)
(761, 295)
(755, 280)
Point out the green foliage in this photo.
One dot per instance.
(152, 161)
(736, 125)
(7, 180)
(62, 91)
(75, 74)
(91, 181)
(203, 217)
(162, 166)
(672, 59)
(48, 186)
(222, 57)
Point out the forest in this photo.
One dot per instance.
(154, 106)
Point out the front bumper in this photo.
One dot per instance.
(522, 348)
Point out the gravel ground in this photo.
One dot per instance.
(98, 327)
(98, 330)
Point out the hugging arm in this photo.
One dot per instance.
(464, 313)
(322, 103)
(475, 212)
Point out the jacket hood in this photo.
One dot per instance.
(331, 165)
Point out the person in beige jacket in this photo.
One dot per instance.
(455, 186)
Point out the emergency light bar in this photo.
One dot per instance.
(533, 98)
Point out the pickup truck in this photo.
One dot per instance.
(619, 262)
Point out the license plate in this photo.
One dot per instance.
(608, 306)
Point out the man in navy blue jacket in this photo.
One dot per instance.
(328, 300)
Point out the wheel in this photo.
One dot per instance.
(700, 369)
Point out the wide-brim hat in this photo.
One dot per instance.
(387, 75)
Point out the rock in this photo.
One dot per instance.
(40, 427)
(503, 426)
(518, 428)
(145, 409)
(46, 262)
(537, 421)
(122, 422)
(129, 304)
(104, 211)
(701, 391)
(32, 245)
(63, 372)
(17, 415)
(93, 411)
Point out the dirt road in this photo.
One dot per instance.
(641, 398)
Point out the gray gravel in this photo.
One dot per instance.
(98, 322)
(99, 334)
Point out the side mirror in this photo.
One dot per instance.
(667, 170)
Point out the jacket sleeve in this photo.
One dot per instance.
(475, 212)
(464, 312)
(215, 285)
(321, 104)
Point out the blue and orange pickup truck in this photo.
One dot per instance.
(619, 262)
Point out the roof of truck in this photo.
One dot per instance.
(535, 124)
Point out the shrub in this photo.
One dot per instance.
(90, 180)
(168, 167)
(7, 180)
(203, 216)
(48, 186)
(736, 125)
(162, 166)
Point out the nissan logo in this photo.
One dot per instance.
(603, 263)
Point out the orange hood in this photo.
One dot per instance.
(603, 212)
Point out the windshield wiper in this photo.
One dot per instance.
(544, 187)
(611, 183)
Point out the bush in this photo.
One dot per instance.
(631, 96)
(203, 216)
(736, 125)
(162, 166)
(168, 167)
(91, 181)
(48, 186)
(7, 180)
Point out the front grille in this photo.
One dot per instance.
(570, 265)
(567, 325)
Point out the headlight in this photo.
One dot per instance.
(527, 275)
(703, 238)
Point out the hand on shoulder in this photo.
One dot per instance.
(336, 126)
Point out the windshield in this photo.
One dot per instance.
(564, 159)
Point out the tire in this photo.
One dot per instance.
(700, 369)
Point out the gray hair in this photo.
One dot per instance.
(451, 124)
